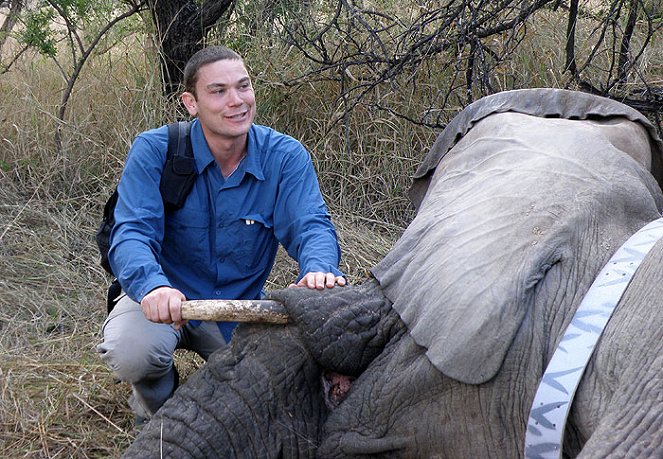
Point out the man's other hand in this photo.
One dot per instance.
(320, 281)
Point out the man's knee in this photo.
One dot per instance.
(136, 358)
(135, 348)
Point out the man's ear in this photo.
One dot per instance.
(189, 101)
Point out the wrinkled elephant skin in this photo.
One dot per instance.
(522, 200)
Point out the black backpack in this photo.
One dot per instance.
(179, 175)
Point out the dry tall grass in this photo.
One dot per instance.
(57, 399)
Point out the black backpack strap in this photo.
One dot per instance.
(179, 173)
(112, 295)
(102, 235)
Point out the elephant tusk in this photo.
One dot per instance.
(262, 311)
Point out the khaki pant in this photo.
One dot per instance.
(140, 352)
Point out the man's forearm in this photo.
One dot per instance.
(136, 268)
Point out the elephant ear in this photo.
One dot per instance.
(506, 213)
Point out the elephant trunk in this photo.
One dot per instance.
(260, 397)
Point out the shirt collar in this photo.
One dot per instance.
(203, 156)
(252, 162)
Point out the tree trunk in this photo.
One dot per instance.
(571, 65)
(11, 18)
(625, 48)
(181, 27)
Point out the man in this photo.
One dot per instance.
(255, 188)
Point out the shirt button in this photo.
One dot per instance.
(217, 292)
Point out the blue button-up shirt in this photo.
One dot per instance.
(222, 243)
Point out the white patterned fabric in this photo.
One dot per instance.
(550, 409)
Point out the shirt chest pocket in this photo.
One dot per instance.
(250, 240)
(187, 235)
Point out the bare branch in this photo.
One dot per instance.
(86, 52)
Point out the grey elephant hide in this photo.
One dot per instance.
(469, 266)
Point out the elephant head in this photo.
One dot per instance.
(521, 201)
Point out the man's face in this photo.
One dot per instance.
(225, 102)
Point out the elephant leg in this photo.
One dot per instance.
(260, 398)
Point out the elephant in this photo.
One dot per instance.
(522, 199)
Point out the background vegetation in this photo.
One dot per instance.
(366, 86)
